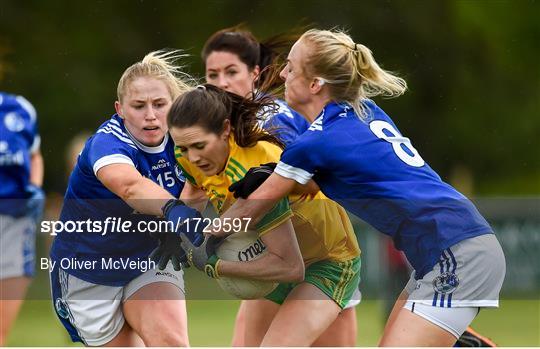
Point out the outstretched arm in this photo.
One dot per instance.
(137, 191)
(260, 202)
(310, 188)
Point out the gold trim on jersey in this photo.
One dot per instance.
(322, 227)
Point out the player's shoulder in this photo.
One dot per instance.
(112, 133)
(374, 112)
(264, 147)
(108, 142)
(312, 137)
(252, 156)
(284, 109)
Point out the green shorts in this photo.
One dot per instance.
(337, 280)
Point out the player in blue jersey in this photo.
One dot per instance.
(21, 203)
(105, 290)
(357, 156)
(237, 62)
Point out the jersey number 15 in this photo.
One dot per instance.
(167, 180)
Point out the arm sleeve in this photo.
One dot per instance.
(279, 214)
(31, 128)
(35, 144)
(106, 149)
(298, 161)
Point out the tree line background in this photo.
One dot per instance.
(472, 109)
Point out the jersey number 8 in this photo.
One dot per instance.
(399, 143)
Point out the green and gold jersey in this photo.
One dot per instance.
(322, 227)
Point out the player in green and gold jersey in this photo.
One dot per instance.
(217, 140)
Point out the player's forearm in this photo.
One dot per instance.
(310, 188)
(269, 267)
(36, 169)
(243, 210)
(194, 197)
(145, 196)
(198, 204)
(259, 202)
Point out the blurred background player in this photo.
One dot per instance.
(21, 203)
(237, 62)
(55, 199)
(126, 169)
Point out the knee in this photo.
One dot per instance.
(172, 339)
(165, 338)
(168, 331)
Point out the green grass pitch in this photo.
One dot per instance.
(516, 323)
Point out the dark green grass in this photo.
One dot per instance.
(516, 323)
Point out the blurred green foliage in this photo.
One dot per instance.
(472, 67)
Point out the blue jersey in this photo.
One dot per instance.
(375, 173)
(87, 198)
(18, 140)
(286, 123)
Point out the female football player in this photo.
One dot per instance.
(105, 291)
(21, 203)
(237, 62)
(357, 156)
(218, 138)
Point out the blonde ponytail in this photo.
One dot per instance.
(349, 68)
(376, 81)
(160, 65)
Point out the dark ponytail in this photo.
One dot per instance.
(208, 106)
(268, 54)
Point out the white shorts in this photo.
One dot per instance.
(17, 246)
(91, 313)
(454, 320)
(468, 276)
